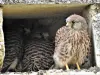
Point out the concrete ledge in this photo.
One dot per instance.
(47, 1)
(57, 72)
(41, 11)
(90, 71)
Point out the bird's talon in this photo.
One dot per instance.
(78, 67)
(67, 67)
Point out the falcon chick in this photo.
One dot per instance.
(38, 52)
(13, 47)
(72, 42)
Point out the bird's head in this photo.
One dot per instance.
(76, 22)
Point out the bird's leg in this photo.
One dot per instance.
(78, 67)
(67, 67)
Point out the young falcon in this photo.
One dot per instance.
(72, 42)
(38, 52)
(13, 47)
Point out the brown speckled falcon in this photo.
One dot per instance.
(72, 42)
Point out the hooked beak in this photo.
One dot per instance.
(70, 24)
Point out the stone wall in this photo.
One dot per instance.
(2, 48)
(47, 1)
(90, 14)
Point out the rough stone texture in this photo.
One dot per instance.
(91, 71)
(47, 1)
(89, 13)
(96, 37)
(2, 48)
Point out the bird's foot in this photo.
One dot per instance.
(78, 67)
(67, 67)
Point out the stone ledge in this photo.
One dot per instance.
(47, 1)
(52, 73)
(90, 71)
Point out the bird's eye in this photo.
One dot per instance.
(73, 22)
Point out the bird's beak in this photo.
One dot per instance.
(68, 23)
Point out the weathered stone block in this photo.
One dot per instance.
(2, 47)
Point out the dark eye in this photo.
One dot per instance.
(73, 22)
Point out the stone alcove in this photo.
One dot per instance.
(51, 17)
